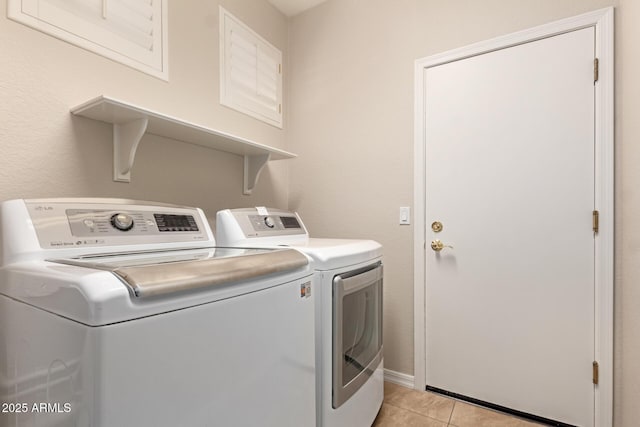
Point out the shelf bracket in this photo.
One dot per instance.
(126, 138)
(253, 165)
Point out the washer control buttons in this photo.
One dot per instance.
(89, 223)
(122, 222)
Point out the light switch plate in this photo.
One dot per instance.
(405, 215)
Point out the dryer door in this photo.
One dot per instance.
(357, 329)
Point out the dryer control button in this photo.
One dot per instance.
(268, 221)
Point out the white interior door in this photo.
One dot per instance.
(510, 175)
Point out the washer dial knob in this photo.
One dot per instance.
(122, 222)
(268, 221)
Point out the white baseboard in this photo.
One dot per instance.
(399, 378)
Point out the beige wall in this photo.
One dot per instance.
(45, 152)
(351, 110)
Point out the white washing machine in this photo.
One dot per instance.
(348, 278)
(121, 313)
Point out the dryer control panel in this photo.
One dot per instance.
(246, 225)
(265, 223)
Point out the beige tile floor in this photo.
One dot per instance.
(403, 407)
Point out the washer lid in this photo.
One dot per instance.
(163, 273)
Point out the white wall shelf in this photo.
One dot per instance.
(130, 123)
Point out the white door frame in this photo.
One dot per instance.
(603, 22)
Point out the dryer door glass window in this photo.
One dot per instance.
(357, 330)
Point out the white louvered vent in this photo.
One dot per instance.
(132, 32)
(250, 71)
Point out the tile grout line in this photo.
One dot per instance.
(453, 408)
(417, 413)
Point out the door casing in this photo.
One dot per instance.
(603, 21)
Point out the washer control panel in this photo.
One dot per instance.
(59, 224)
(108, 222)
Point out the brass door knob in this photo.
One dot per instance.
(437, 245)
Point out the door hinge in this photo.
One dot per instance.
(280, 68)
(596, 221)
(596, 69)
(596, 373)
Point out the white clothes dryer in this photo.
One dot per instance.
(348, 277)
(122, 313)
